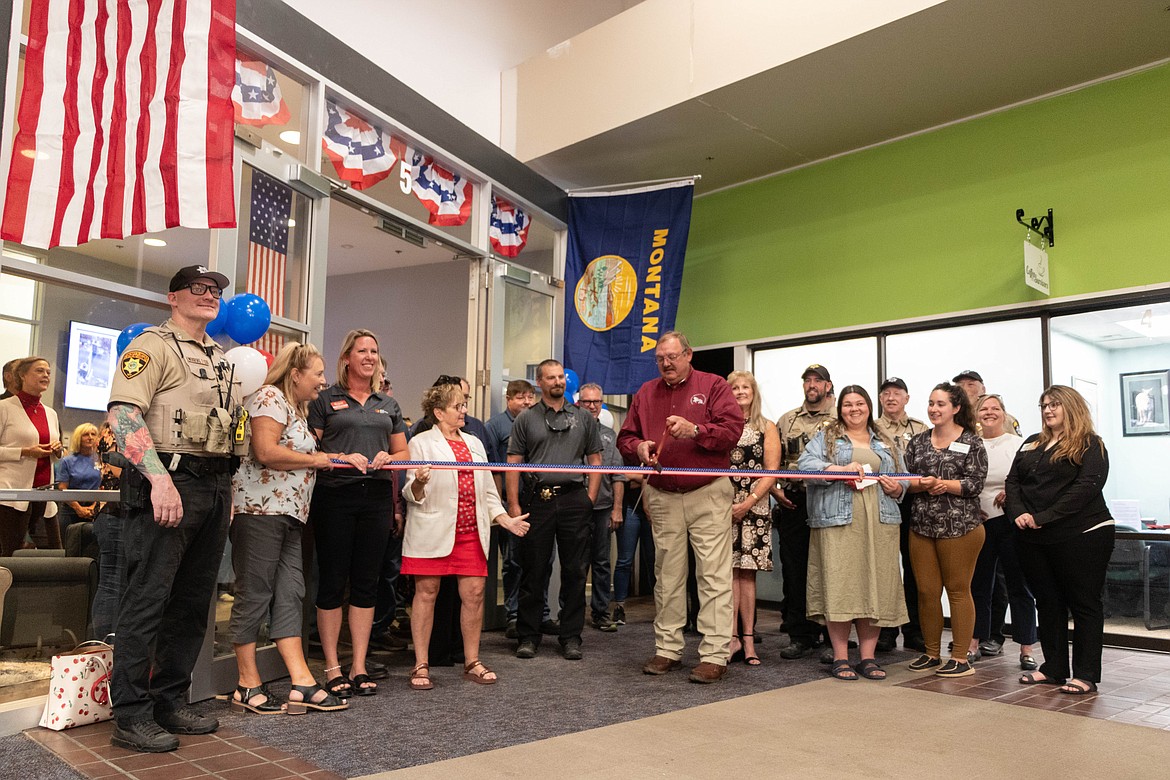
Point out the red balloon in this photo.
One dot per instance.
(268, 356)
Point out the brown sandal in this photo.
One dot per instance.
(478, 677)
(420, 678)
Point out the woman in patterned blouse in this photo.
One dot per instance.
(946, 526)
(271, 494)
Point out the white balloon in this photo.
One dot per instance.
(251, 368)
(606, 418)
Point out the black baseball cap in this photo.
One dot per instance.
(894, 381)
(190, 273)
(819, 370)
(968, 374)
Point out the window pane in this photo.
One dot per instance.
(1006, 354)
(17, 296)
(528, 330)
(778, 371)
(15, 340)
(537, 254)
(271, 105)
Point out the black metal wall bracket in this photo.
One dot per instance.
(1038, 225)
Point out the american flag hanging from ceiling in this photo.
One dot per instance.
(256, 96)
(508, 228)
(125, 121)
(268, 229)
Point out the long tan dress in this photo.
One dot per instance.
(853, 569)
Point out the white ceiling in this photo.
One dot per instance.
(949, 62)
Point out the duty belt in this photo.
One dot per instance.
(549, 492)
(195, 465)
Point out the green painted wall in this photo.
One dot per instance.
(927, 225)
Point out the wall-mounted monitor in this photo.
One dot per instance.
(93, 351)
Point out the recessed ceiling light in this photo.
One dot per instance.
(154, 242)
(292, 222)
(291, 137)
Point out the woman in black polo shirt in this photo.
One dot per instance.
(353, 509)
(1066, 537)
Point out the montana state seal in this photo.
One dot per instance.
(605, 293)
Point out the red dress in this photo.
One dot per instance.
(466, 558)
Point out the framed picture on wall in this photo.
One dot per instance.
(1088, 390)
(1143, 403)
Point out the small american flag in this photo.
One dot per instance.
(125, 121)
(268, 248)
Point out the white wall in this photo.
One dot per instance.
(454, 53)
(420, 316)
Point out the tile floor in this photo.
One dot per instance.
(224, 755)
(1135, 688)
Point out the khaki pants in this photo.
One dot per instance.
(701, 518)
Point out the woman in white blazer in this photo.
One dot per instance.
(448, 523)
(30, 438)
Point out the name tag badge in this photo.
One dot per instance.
(339, 405)
(959, 447)
(1029, 446)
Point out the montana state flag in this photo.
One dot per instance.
(623, 280)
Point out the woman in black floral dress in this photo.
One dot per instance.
(751, 550)
(946, 528)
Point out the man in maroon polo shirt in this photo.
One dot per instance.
(686, 419)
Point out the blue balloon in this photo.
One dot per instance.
(218, 326)
(572, 383)
(129, 334)
(248, 318)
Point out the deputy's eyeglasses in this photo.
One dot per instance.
(199, 288)
(559, 423)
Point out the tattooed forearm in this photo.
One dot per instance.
(134, 439)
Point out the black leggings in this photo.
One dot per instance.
(351, 525)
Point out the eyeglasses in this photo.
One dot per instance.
(199, 288)
(663, 359)
(447, 380)
(589, 402)
(458, 407)
(1050, 405)
(563, 421)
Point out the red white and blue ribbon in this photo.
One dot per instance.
(445, 194)
(362, 154)
(508, 228)
(256, 95)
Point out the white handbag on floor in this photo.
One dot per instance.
(79, 687)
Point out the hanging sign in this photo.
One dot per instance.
(1036, 266)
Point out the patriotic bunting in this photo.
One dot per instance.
(256, 95)
(125, 121)
(446, 195)
(508, 229)
(363, 154)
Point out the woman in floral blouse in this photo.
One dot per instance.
(946, 526)
(271, 494)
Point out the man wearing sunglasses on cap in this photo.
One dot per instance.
(559, 507)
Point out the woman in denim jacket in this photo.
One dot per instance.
(853, 572)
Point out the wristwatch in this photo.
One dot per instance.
(696, 429)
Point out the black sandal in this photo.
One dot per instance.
(340, 686)
(359, 685)
(1078, 687)
(330, 703)
(870, 669)
(270, 706)
(843, 671)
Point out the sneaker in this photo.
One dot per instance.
(990, 647)
(550, 627)
(145, 736)
(510, 631)
(796, 649)
(619, 615)
(571, 649)
(526, 650)
(185, 720)
(953, 668)
(923, 661)
(602, 623)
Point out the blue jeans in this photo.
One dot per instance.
(634, 528)
(599, 562)
(107, 526)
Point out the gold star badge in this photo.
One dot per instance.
(133, 363)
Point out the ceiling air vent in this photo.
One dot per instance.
(402, 230)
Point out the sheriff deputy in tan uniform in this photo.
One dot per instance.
(899, 427)
(790, 518)
(973, 386)
(175, 410)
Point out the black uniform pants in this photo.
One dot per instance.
(792, 542)
(170, 581)
(566, 520)
(912, 629)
